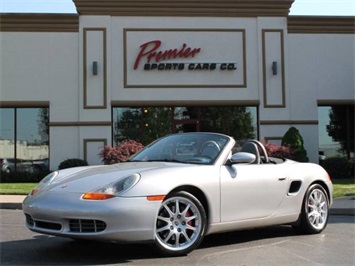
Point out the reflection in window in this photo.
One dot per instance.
(24, 135)
(336, 131)
(145, 124)
(7, 132)
(140, 124)
(186, 113)
(239, 122)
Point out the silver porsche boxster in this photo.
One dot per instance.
(179, 189)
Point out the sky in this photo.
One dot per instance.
(299, 7)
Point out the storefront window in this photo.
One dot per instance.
(336, 131)
(239, 122)
(145, 124)
(142, 124)
(24, 140)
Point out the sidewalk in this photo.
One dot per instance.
(341, 206)
(12, 202)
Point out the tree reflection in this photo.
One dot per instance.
(341, 127)
(43, 125)
(146, 124)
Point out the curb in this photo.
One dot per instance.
(10, 206)
(342, 211)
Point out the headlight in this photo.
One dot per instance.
(47, 180)
(113, 189)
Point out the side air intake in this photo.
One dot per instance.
(295, 187)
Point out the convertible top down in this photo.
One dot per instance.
(179, 189)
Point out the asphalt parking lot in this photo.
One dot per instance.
(277, 245)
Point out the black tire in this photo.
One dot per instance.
(180, 225)
(314, 212)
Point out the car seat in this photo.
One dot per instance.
(253, 149)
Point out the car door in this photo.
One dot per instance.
(251, 191)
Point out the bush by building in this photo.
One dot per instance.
(74, 162)
(277, 151)
(120, 153)
(339, 167)
(294, 140)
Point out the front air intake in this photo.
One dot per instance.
(86, 226)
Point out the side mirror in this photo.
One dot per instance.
(241, 157)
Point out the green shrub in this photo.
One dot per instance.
(294, 139)
(74, 162)
(338, 167)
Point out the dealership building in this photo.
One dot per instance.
(116, 70)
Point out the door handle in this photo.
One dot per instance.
(282, 178)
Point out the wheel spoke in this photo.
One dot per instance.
(184, 212)
(320, 198)
(190, 218)
(167, 238)
(177, 206)
(177, 240)
(162, 229)
(192, 228)
(322, 211)
(316, 220)
(313, 198)
(186, 236)
(165, 219)
(312, 215)
(171, 213)
(321, 219)
(311, 206)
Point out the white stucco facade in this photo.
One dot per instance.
(54, 68)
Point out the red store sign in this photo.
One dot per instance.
(154, 58)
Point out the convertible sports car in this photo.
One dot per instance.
(179, 189)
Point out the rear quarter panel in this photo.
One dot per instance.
(307, 174)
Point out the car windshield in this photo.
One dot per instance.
(196, 148)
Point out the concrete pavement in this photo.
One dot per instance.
(11, 201)
(341, 206)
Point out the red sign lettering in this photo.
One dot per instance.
(150, 51)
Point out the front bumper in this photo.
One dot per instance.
(66, 214)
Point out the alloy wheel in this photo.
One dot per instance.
(180, 224)
(317, 209)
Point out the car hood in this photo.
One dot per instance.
(90, 178)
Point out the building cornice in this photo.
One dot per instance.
(81, 124)
(14, 22)
(335, 102)
(156, 103)
(185, 8)
(321, 24)
(23, 104)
